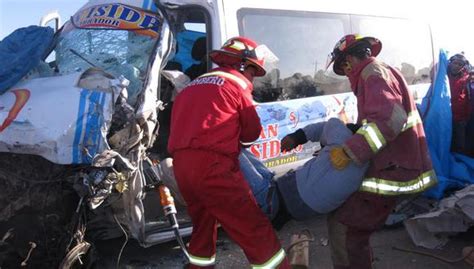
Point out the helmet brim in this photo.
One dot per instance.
(221, 57)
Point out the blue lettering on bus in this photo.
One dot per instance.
(113, 11)
(150, 22)
(135, 16)
(100, 11)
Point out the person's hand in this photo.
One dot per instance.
(288, 143)
(339, 158)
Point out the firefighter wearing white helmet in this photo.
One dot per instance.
(391, 138)
(211, 119)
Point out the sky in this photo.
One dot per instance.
(21, 13)
(450, 20)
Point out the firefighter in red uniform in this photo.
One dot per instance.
(391, 137)
(211, 118)
(458, 74)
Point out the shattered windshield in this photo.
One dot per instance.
(121, 43)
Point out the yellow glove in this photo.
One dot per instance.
(339, 158)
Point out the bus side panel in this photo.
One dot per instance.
(281, 118)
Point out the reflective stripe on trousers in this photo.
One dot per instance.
(273, 262)
(202, 261)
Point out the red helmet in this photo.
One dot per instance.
(237, 50)
(348, 42)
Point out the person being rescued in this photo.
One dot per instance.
(315, 187)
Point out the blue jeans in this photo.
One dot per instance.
(260, 180)
(288, 189)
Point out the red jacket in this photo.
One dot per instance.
(460, 105)
(214, 112)
(392, 136)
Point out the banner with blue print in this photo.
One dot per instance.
(284, 117)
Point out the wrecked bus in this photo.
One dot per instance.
(83, 131)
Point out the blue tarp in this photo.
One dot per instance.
(454, 171)
(21, 51)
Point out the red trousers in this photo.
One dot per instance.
(216, 192)
(351, 226)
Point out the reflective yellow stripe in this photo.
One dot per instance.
(388, 187)
(273, 262)
(373, 136)
(200, 261)
(235, 78)
(413, 119)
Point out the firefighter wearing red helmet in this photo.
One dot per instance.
(241, 51)
(391, 138)
(211, 119)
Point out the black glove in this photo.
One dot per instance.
(292, 140)
(353, 127)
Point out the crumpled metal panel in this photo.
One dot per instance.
(454, 214)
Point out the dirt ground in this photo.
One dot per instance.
(230, 256)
